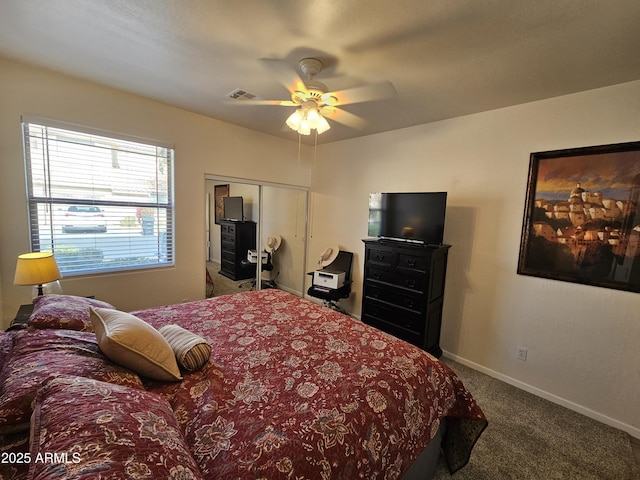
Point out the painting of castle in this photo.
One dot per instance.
(582, 222)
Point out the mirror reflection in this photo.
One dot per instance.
(246, 218)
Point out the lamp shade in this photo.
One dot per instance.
(36, 268)
(294, 120)
(322, 125)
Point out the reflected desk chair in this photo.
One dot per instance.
(267, 266)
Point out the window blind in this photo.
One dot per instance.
(97, 202)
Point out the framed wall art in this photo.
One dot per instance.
(582, 216)
(219, 192)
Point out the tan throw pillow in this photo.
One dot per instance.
(192, 351)
(134, 344)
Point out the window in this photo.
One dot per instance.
(99, 203)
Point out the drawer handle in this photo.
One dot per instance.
(376, 275)
(409, 303)
(411, 263)
(379, 257)
(411, 283)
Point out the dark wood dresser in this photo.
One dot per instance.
(235, 239)
(404, 290)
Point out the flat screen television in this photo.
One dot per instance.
(233, 208)
(411, 216)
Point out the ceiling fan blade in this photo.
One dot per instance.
(347, 118)
(281, 103)
(365, 93)
(285, 74)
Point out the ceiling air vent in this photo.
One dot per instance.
(239, 94)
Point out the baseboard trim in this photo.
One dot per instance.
(290, 290)
(612, 422)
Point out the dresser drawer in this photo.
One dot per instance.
(228, 228)
(410, 336)
(380, 256)
(404, 280)
(393, 315)
(413, 263)
(228, 265)
(409, 299)
(228, 256)
(228, 239)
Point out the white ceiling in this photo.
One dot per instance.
(446, 58)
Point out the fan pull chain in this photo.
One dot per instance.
(298, 186)
(313, 175)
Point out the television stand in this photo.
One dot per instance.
(404, 290)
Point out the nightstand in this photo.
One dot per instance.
(22, 317)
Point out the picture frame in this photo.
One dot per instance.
(582, 216)
(219, 192)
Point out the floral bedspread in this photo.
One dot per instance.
(294, 390)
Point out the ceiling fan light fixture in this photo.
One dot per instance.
(304, 128)
(313, 102)
(295, 119)
(305, 119)
(322, 125)
(312, 117)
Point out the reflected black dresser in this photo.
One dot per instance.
(236, 238)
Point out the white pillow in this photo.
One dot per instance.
(134, 344)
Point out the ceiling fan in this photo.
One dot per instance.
(314, 102)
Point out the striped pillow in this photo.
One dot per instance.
(192, 351)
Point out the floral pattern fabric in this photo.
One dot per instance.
(6, 344)
(64, 311)
(39, 354)
(106, 431)
(294, 390)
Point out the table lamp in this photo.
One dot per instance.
(36, 269)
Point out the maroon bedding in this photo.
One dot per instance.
(291, 390)
(296, 390)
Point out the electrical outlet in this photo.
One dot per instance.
(521, 353)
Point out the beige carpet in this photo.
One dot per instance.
(532, 438)
(223, 285)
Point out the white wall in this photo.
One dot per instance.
(582, 341)
(202, 146)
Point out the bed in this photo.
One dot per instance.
(291, 390)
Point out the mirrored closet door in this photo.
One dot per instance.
(274, 216)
